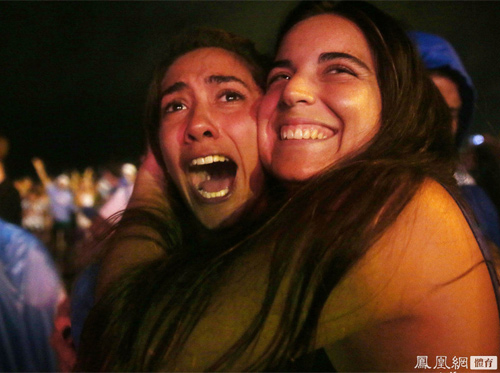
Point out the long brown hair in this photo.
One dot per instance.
(318, 235)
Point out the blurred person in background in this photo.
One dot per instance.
(30, 292)
(449, 75)
(119, 199)
(10, 200)
(85, 197)
(108, 180)
(482, 159)
(23, 185)
(63, 210)
(104, 216)
(36, 212)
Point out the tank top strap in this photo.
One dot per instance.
(483, 246)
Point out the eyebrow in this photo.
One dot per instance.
(281, 63)
(325, 57)
(328, 56)
(218, 79)
(176, 87)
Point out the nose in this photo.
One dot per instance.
(298, 90)
(201, 126)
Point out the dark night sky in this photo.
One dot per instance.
(74, 74)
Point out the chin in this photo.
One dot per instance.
(294, 174)
(219, 218)
(213, 222)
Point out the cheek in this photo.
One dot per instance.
(268, 105)
(266, 135)
(244, 135)
(364, 112)
(372, 114)
(265, 146)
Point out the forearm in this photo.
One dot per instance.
(40, 171)
(135, 241)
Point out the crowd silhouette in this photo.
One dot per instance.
(65, 211)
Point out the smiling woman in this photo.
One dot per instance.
(324, 78)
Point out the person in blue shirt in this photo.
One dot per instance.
(451, 78)
(30, 291)
(63, 208)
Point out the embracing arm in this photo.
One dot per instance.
(422, 290)
(149, 191)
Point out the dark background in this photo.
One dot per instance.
(74, 74)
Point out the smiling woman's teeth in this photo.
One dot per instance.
(304, 134)
(208, 195)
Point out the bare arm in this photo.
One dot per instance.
(40, 171)
(150, 181)
(149, 191)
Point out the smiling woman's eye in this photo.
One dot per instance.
(174, 106)
(277, 77)
(339, 69)
(229, 96)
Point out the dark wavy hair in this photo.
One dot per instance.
(321, 231)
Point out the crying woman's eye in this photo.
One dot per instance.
(229, 96)
(174, 106)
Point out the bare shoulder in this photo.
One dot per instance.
(433, 209)
(428, 245)
(422, 289)
(433, 228)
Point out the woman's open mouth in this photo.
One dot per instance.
(213, 176)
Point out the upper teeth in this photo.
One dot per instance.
(208, 160)
(303, 134)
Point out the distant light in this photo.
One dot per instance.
(477, 139)
(129, 169)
